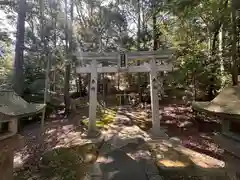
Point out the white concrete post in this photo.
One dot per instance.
(154, 98)
(93, 99)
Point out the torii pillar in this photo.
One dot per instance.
(156, 116)
(92, 129)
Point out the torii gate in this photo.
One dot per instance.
(159, 61)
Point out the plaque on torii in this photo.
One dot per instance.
(159, 61)
(123, 64)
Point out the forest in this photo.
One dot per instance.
(41, 42)
(205, 34)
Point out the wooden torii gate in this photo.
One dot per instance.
(160, 61)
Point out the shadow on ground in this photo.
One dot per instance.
(195, 132)
(173, 160)
(59, 154)
(63, 158)
(131, 155)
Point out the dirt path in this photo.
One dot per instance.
(124, 154)
(177, 118)
(195, 134)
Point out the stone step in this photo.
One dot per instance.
(117, 165)
(172, 156)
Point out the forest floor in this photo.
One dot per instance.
(50, 159)
(178, 119)
(60, 132)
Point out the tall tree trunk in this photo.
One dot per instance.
(55, 54)
(138, 48)
(51, 55)
(18, 78)
(212, 55)
(144, 27)
(67, 88)
(139, 25)
(45, 51)
(44, 57)
(68, 65)
(221, 36)
(218, 25)
(154, 21)
(234, 45)
(145, 47)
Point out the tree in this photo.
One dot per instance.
(235, 63)
(108, 26)
(140, 89)
(154, 21)
(18, 79)
(68, 64)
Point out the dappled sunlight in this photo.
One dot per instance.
(170, 122)
(170, 155)
(58, 133)
(121, 136)
(203, 143)
(179, 121)
(140, 154)
(65, 136)
(105, 117)
(194, 133)
(51, 131)
(184, 124)
(166, 157)
(125, 134)
(70, 162)
(133, 132)
(63, 146)
(19, 159)
(103, 159)
(170, 163)
(201, 160)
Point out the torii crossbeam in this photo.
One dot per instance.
(159, 61)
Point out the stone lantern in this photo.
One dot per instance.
(12, 107)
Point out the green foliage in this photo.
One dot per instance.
(104, 117)
(193, 27)
(5, 60)
(187, 25)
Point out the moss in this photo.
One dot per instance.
(104, 117)
(63, 163)
(69, 163)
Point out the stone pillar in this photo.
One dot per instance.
(93, 100)
(154, 98)
(7, 147)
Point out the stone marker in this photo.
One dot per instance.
(7, 147)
